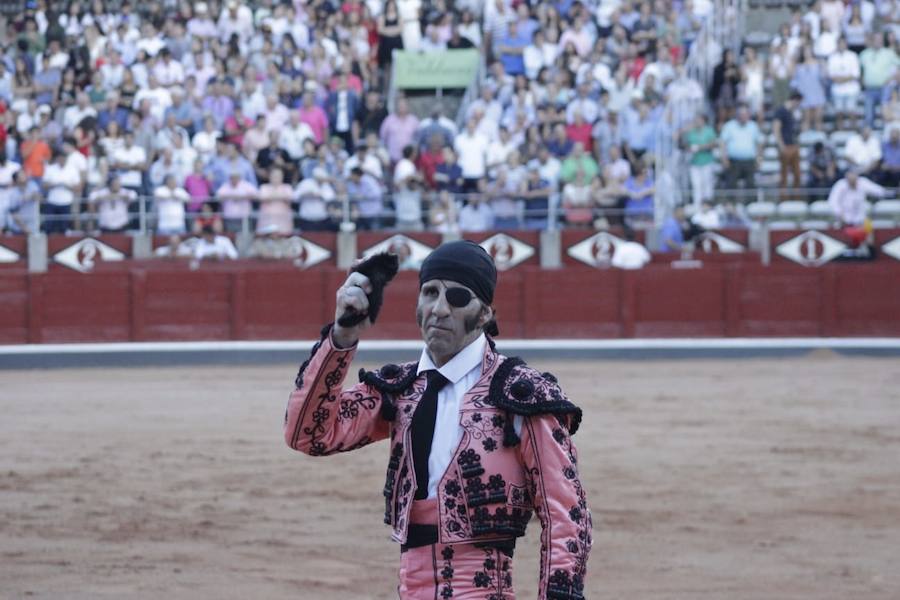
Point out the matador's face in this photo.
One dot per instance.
(447, 327)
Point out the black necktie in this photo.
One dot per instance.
(423, 431)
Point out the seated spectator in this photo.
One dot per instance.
(844, 73)
(640, 189)
(275, 205)
(436, 125)
(863, 152)
(35, 153)
(198, 187)
(640, 134)
(560, 145)
(848, 198)
(707, 217)
(208, 216)
(677, 231)
(293, 136)
(741, 149)
(502, 199)
(448, 176)
(236, 196)
(822, 167)
(170, 201)
(110, 205)
(129, 162)
(213, 246)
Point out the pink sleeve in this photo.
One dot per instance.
(321, 419)
(550, 461)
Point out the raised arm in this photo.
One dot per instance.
(322, 419)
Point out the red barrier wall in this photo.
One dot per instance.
(162, 300)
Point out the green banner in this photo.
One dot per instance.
(432, 70)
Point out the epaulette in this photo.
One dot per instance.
(390, 380)
(521, 390)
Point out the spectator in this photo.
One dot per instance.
(343, 111)
(476, 215)
(741, 148)
(365, 193)
(578, 160)
(724, 91)
(848, 198)
(314, 194)
(436, 125)
(889, 171)
(60, 182)
(640, 134)
(275, 205)
(536, 194)
(822, 167)
(110, 205)
(443, 217)
(198, 186)
(677, 231)
(314, 116)
(785, 131)
(129, 162)
(878, 66)
(700, 140)
(214, 246)
(24, 204)
(843, 71)
(292, 138)
(707, 217)
(471, 147)
(8, 170)
(399, 129)
(809, 82)
(236, 197)
(170, 201)
(640, 190)
(863, 152)
(752, 78)
(35, 154)
(390, 32)
(577, 202)
(273, 156)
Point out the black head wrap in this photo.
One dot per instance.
(464, 262)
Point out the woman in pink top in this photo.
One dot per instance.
(314, 116)
(275, 214)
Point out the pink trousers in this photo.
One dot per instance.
(458, 571)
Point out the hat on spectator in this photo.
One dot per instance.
(44, 109)
(320, 173)
(200, 8)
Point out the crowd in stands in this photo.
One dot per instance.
(274, 115)
(216, 111)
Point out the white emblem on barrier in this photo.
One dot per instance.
(411, 252)
(8, 256)
(304, 253)
(597, 250)
(892, 248)
(507, 251)
(84, 255)
(711, 241)
(811, 249)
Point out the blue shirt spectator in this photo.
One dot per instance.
(741, 137)
(511, 47)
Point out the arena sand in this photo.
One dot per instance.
(747, 479)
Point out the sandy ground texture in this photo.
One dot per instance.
(731, 479)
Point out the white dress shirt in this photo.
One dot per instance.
(849, 204)
(462, 371)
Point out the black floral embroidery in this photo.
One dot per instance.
(489, 444)
(559, 436)
(482, 580)
(447, 573)
(452, 487)
(476, 417)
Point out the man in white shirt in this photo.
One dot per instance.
(471, 148)
(843, 70)
(170, 200)
(168, 72)
(76, 113)
(538, 54)
(110, 205)
(8, 170)
(158, 97)
(848, 197)
(130, 161)
(314, 193)
(60, 183)
(292, 136)
(863, 151)
(213, 246)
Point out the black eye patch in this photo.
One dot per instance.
(458, 297)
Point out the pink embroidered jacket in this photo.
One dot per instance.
(496, 478)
